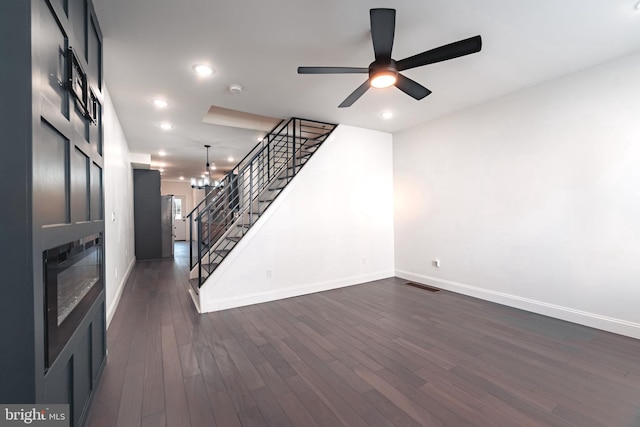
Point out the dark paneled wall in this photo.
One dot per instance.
(147, 214)
(51, 169)
(17, 328)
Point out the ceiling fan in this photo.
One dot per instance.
(384, 71)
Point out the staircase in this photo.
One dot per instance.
(229, 210)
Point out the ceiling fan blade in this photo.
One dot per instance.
(411, 87)
(331, 70)
(442, 53)
(348, 102)
(383, 27)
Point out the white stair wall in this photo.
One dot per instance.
(331, 227)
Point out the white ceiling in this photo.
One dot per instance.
(151, 46)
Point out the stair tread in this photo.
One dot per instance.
(195, 285)
(210, 267)
(278, 169)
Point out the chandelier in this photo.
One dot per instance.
(205, 181)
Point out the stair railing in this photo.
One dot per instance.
(249, 188)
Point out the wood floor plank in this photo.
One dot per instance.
(272, 413)
(155, 420)
(317, 407)
(392, 412)
(277, 361)
(247, 370)
(153, 394)
(397, 398)
(103, 413)
(377, 354)
(235, 386)
(175, 401)
(198, 401)
(188, 361)
(224, 412)
(130, 410)
(294, 409)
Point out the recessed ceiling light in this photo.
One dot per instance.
(162, 153)
(202, 176)
(230, 159)
(387, 115)
(160, 103)
(161, 170)
(181, 178)
(260, 139)
(166, 126)
(203, 70)
(213, 167)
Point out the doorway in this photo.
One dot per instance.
(179, 219)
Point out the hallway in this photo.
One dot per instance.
(377, 354)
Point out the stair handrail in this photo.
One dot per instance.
(278, 140)
(239, 163)
(231, 177)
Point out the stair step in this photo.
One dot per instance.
(210, 267)
(276, 189)
(265, 200)
(310, 148)
(234, 238)
(223, 252)
(195, 285)
(243, 225)
(312, 145)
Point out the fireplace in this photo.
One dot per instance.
(73, 281)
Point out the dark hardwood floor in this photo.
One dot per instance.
(378, 354)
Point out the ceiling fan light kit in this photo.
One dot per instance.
(384, 75)
(384, 71)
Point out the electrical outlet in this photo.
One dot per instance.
(269, 272)
(436, 263)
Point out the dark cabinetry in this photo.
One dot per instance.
(51, 187)
(147, 214)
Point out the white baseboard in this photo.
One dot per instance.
(111, 310)
(610, 324)
(195, 298)
(213, 304)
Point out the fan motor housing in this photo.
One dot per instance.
(382, 67)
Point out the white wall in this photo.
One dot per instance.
(179, 188)
(532, 200)
(118, 209)
(331, 227)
